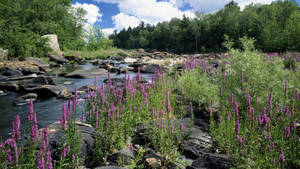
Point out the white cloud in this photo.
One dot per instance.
(93, 12)
(132, 12)
(122, 20)
(108, 31)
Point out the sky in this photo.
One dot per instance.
(112, 15)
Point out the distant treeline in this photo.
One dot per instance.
(276, 28)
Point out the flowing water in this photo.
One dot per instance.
(47, 110)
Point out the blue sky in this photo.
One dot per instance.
(112, 15)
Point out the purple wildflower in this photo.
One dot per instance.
(181, 126)
(49, 159)
(220, 121)
(270, 103)
(281, 158)
(228, 115)
(30, 114)
(16, 129)
(287, 131)
(65, 151)
(240, 140)
(130, 147)
(237, 127)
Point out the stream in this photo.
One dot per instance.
(48, 110)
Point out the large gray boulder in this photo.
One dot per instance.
(3, 54)
(56, 55)
(53, 42)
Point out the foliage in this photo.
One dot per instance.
(96, 40)
(115, 118)
(22, 23)
(275, 27)
(259, 106)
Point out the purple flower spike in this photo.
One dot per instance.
(287, 131)
(16, 129)
(237, 127)
(130, 147)
(66, 151)
(282, 159)
(181, 126)
(30, 114)
(240, 140)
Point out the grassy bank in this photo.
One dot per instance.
(98, 54)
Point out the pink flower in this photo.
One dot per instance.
(49, 159)
(30, 114)
(180, 126)
(220, 121)
(130, 147)
(228, 115)
(16, 129)
(240, 140)
(287, 131)
(237, 127)
(65, 151)
(282, 159)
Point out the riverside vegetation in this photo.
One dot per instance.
(252, 101)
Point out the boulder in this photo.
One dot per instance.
(124, 156)
(76, 59)
(109, 167)
(3, 93)
(43, 66)
(212, 161)
(68, 83)
(97, 62)
(87, 140)
(46, 91)
(82, 74)
(175, 165)
(56, 55)
(9, 86)
(83, 90)
(3, 54)
(43, 80)
(7, 71)
(198, 142)
(25, 99)
(57, 58)
(130, 60)
(150, 68)
(26, 67)
(53, 42)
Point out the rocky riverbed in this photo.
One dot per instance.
(49, 84)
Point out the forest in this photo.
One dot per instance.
(276, 28)
(22, 23)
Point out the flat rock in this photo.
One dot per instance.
(9, 86)
(68, 83)
(84, 74)
(124, 156)
(212, 161)
(25, 99)
(46, 91)
(130, 60)
(7, 71)
(109, 167)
